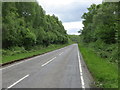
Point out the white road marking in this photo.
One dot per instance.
(12, 65)
(18, 81)
(48, 61)
(61, 53)
(81, 73)
(17, 63)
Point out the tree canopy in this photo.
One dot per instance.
(101, 25)
(26, 24)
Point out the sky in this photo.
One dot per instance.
(68, 11)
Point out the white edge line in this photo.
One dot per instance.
(81, 73)
(25, 61)
(17, 63)
(11, 65)
(48, 62)
(14, 64)
(18, 81)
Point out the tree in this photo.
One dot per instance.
(26, 24)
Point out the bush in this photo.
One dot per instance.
(13, 51)
(104, 73)
(108, 51)
(37, 47)
(29, 40)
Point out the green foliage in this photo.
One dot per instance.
(25, 24)
(100, 23)
(40, 34)
(29, 39)
(16, 53)
(100, 39)
(12, 51)
(101, 30)
(104, 73)
(75, 38)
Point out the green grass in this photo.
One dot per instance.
(9, 58)
(104, 73)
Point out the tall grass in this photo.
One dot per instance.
(17, 53)
(104, 72)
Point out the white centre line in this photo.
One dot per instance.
(17, 63)
(81, 73)
(18, 81)
(48, 61)
(61, 53)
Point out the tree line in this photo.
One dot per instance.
(25, 24)
(101, 29)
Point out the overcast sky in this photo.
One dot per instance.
(68, 11)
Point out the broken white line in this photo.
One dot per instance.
(48, 61)
(18, 81)
(17, 63)
(61, 53)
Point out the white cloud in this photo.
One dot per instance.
(55, 2)
(61, 7)
(66, 2)
(68, 11)
(68, 25)
(73, 27)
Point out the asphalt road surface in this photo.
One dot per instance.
(62, 68)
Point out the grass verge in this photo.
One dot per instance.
(9, 58)
(104, 73)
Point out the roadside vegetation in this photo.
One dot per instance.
(99, 41)
(104, 73)
(27, 31)
(18, 53)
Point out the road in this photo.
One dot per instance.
(62, 68)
